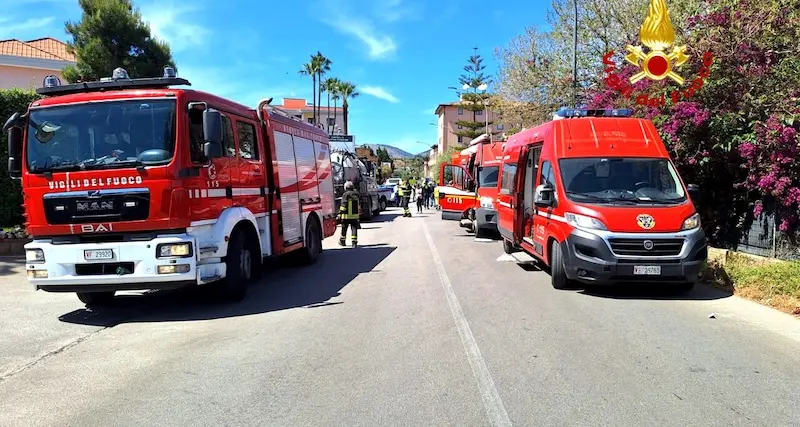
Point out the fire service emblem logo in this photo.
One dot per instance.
(658, 61)
(645, 221)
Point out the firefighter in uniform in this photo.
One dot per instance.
(349, 214)
(405, 192)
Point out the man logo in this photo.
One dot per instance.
(648, 244)
(645, 221)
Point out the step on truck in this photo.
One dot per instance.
(466, 199)
(594, 195)
(136, 184)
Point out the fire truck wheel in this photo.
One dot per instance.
(557, 274)
(313, 241)
(96, 298)
(239, 266)
(383, 204)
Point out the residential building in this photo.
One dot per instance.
(365, 153)
(25, 64)
(449, 114)
(430, 165)
(331, 118)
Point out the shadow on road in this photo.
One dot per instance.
(280, 289)
(656, 291)
(385, 216)
(11, 265)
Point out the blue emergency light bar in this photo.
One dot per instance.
(574, 112)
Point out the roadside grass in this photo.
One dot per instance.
(771, 282)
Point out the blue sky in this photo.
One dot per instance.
(402, 54)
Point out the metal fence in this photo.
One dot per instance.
(762, 238)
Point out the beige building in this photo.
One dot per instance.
(332, 122)
(25, 64)
(451, 113)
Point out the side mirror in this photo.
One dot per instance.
(15, 135)
(212, 134)
(544, 197)
(694, 192)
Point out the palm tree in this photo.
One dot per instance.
(336, 96)
(310, 69)
(329, 85)
(323, 66)
(347, 90)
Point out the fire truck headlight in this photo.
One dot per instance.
(34, 256)
(487, 202)
(170, 250)
(691, 223)
(582, 221)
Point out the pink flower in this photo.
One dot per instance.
(747, 150)
(757, 209)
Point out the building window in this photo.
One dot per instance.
(248, 146)
(310, 120)
(459, 126)
(479, 113)
(460, 111)
(331, 121)
(500, 126)
(460, 139)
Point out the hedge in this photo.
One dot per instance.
(11, 101)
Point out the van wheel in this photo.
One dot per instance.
(239, 266)
(558, 276)
(382, 204)
(313, 243)
(508, 247)
(96, 298)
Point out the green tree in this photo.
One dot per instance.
(331, 86)
(383, 155)
(310, 69)
(322, 66)
(11, 101)
(474, 99)
(445, 157)
(347, 90)
(111, 34)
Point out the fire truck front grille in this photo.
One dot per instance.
(119, 268)
(646, 247)
(82, 207)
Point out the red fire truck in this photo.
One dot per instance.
(594, 195)
(463, 200)
(132, 184)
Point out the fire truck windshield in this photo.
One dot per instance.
(101, 135)
(488, 176)
(620, 180)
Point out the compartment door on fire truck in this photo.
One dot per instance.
(456, 191)
(288, 186)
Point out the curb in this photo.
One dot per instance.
(13, 247)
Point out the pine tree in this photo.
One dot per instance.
(111, 34)
(474, 99)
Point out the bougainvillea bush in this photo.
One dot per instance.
(737, 137)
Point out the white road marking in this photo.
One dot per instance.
(491, 398)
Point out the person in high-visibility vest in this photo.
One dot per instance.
(404, 190)
(350, 214)
(436, 198)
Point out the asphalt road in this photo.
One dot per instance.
(422, 326)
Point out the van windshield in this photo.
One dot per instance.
(621, 180)
(101, 135)
(488, 176)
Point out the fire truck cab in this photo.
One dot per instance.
(461, 196)
(131, 184)
(594, 195)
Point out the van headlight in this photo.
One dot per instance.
(34, 256)
(170, 250)
(582, 221)
(487, 202)
(691, 223)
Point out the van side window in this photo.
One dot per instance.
(248, 146)
(548, 176)
(507, 179)
(228, 144)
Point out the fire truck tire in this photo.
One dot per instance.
(96, 298)
(240, 265)
(313, 242)
(508, 247)
(558, 275)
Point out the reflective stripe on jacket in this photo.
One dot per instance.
(349, 208)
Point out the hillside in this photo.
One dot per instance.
(394, 152)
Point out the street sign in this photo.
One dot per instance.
(340, 138)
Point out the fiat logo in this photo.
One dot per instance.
(648, 244)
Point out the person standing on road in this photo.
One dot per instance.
(349, 214)
(405, 192)
(420, 199)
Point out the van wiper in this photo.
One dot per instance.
(589, 196)
(659, 201)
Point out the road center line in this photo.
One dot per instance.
(491, 398)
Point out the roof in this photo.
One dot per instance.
(44, 48)
(300, 104)
(446, 104)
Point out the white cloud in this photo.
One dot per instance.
(175, 25)
(379, 92)
(221, 82)
(10, 28)
(338, 15)
(394, 10)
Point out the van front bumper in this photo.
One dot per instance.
(486, 219)
(589, 258)
(134, 266)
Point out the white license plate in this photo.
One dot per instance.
(647, 270)
(97, 254)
